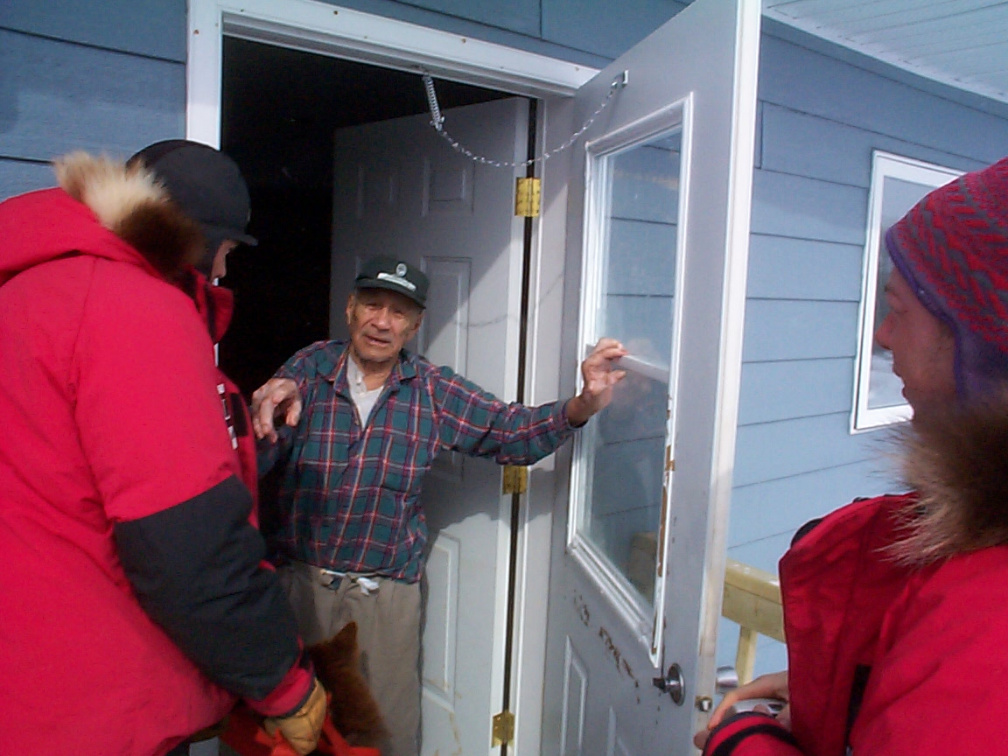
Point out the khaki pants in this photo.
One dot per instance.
(388, 635)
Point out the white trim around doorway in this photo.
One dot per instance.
(326, 29)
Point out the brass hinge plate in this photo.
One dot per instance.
(503, 729)
(527, 193)
(514, 479)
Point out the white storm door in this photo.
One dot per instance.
(400, 189)
(657, 238)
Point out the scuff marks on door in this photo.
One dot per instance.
(581, 610)
(621, 663)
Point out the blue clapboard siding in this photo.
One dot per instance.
(787, 329)
(808, 495)
(812, 387)
(589, 32)
(18, 176)
(809, 136)
(827, 87)
(800, 207)
(520, 16)
(599, 30)
(73, 96)
(103, 76)
(816, 269)
(774, 450)
(154, 28)
(605, 28)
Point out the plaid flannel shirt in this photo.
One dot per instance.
(349, 497)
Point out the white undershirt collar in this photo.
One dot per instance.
(363, 398)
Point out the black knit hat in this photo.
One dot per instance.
(206, 184)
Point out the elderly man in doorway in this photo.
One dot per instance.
(364, 421)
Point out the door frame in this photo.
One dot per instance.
(324, 29)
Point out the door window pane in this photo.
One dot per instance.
(631, 295)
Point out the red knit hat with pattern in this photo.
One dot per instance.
(952, 248)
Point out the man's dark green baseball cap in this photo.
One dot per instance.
(395, 275)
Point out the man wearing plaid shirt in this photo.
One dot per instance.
(364, 420)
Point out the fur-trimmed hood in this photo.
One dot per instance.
(957, 460)
(102, 208)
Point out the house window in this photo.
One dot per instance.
(630, 292)
(898, 183)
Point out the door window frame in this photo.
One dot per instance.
(645, 621)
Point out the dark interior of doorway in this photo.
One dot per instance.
(279, 110)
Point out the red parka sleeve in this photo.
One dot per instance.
(751, 734)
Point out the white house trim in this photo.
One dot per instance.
(339, 32)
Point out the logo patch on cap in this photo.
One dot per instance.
(397, 275)
(398, 279)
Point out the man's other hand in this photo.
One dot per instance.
(278, 397)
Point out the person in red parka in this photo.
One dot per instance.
(137, 608)
(896, 607)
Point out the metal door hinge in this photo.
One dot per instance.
(503, 729)
(527, 191)
(514, 480)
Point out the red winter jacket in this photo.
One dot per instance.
(135, 609)
(885, 659)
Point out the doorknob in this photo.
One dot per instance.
(672, 683)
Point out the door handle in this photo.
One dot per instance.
(673, 684)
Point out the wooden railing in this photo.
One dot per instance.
(752, 598)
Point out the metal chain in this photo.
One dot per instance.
(437, 121)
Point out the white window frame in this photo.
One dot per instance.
(884, 165)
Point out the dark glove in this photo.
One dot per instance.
(302, 727)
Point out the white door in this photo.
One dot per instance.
(400, 189)
(658, 220)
